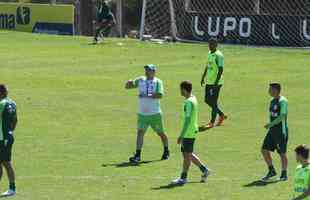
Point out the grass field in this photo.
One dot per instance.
(77, 123)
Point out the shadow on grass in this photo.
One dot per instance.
(171, 186)
(202, 128)
(129, 164)
(260, 183)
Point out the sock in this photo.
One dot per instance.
(166, 149)
(12, 186)
(203, 168)
(220, 112)
(213, 115)
(284, 173)
(138, 153)
(184, 175)
(271, 168)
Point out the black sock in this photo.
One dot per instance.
(184, 175)
(271, 168)
(138, 153)
(12, 186)
(284, 173)
(219, 111)
(166, 149)
(213, 115)
(202, 168)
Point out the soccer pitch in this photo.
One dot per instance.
(77, 123)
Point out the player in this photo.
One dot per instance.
(277, 136)
(302, 174)
(104, 22)
(151, 90)
(8, 120)
(214, 72)
(188, 135)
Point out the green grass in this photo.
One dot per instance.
(77, 122)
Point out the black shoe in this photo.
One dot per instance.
(270, 174)
(283, 177)
(95, 41)
(165, 155)
(135, 159)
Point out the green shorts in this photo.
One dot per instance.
(155, 121)
(275, 140)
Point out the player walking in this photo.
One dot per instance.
(214, 73)
(188, 135)
(277, 136)
(151, 90)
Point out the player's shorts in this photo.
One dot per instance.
(212, 93)
(188, 145)
(6, 149)
(155, 121)
(275, 140)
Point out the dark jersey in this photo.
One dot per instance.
(104, 13)
(278, 107)
(8, 116)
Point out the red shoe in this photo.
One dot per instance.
(221, 120)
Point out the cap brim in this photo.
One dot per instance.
(149, 68)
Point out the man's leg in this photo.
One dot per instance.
(198, 163)
(164, 140)
(215, 108)
(157, 125)
(186, 164)
(106, 30)
(143, 124)
(284, 163)
(1, 171)
(209, 101)
(139, 144)
(268, 159)
(11, 174)
(282, 140)
(203, 168)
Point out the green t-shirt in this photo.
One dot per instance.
(279, 107)
(7, 115)
(215, 61)
(301, 180)
(190, 118)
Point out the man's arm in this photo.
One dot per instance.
(303, 195)
(130, 84)
(188, 112)
(219, 75)
(220, 64)
(282, 116)
(14, 122)
(202, 82)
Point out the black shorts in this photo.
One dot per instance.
(212, 93)
(6, 149)
(275, 140)
(187, 145)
